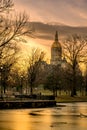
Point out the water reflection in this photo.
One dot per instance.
(69, 116)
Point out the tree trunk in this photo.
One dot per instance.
(31, 90)
(73, 91)
(86, 90)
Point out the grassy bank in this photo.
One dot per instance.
(64, 99)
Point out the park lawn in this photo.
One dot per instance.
(66, 99)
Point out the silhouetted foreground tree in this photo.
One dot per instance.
(75, 52)
(12, 31)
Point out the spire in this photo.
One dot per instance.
(56, 37)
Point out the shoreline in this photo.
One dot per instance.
(23, 104)
(68, 99)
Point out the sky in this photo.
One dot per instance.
(69, 12)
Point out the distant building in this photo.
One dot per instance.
(56, 53)
(57, 58)
(59, 66)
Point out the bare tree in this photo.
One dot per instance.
(75, 52)
(12, 31)
(85, 79)
(34, 65)
(5, 5)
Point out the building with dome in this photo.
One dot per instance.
(56, 53)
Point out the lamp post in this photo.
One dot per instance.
(86, 81)
(21, 84)
(1, 81)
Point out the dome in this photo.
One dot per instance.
(56, 44)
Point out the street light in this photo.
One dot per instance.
(1, 82)
(21, 84)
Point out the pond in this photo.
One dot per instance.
(66, 116)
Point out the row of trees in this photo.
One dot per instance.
(53, 78)
(12, 32)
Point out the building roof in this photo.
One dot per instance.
(56, 43)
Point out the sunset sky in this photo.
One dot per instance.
(67, 12)
(70, 12)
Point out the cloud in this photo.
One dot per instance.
(71, 12)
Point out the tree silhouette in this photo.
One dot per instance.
(74, 49)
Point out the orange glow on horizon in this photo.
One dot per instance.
(44, 45)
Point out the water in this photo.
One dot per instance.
(67, 116)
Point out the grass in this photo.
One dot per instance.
(66, 99)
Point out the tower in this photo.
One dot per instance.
(56, 51)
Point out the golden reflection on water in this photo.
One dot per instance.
(21, 121)
(67, 118)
